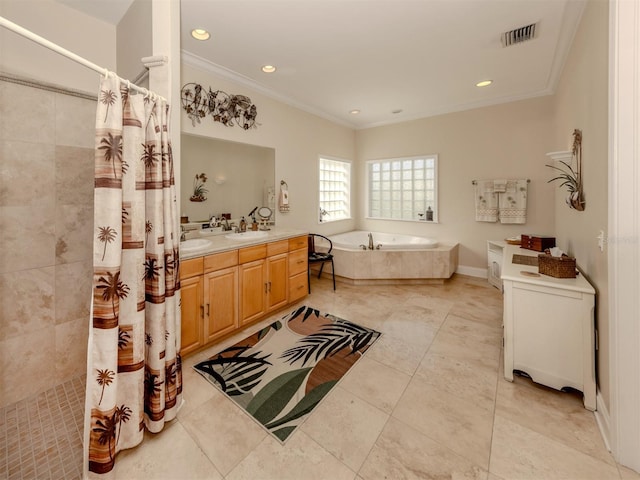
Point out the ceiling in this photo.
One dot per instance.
(422, 57)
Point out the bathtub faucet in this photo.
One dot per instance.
(370, 241)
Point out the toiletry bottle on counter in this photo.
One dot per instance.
(243, 225)
(254, 225)
(429, 214)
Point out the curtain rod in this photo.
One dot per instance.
(62, 51)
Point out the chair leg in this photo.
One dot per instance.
(321, 267)
(333, 274)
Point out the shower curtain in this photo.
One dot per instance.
(134, 376)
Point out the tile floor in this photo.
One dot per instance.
(427, 401)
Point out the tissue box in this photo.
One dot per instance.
(537, 242)
(559, 267)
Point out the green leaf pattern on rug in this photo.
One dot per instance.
(275, 395)
(261, 377)
(304, 406)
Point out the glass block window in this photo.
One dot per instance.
(334, 189)
(403, 188)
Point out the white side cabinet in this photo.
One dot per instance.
(495, 251)
(548, 327)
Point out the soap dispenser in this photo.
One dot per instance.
(429, 216)
(243, 225)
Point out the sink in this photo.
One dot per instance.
(207, 232)
(194, 244)
(246, 236)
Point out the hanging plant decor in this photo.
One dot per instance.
(199, 191)
(227, 109)
(570, 177)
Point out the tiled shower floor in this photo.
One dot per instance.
(41, 437)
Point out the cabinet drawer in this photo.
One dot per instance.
(191, 267)
(221, 260)
(298, 261)
(297, 242)
(276, 248)
(249, 254)
(297, 286)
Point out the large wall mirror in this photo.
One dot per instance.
(238, 177)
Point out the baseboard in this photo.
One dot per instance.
(603, 419)
(472, 271)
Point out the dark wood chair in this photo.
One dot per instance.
(320, 256)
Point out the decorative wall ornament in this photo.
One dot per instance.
(199, 191)
(570, 177)
(224, 108)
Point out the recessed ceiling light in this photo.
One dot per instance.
(200, 34)
(268, 69)
(354, 111)
(484, 83)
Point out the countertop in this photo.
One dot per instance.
(218, 243)
(514, 272)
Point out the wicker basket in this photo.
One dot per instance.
(559, 267)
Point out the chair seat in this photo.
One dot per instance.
(320, 257)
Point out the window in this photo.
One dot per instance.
(403, 188)
(335, 189)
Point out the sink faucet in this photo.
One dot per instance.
(370, 241)
(183, 234)
(226, 227)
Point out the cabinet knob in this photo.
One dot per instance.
(207, 309)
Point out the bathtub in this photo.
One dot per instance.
(381, 241)
(401, 259)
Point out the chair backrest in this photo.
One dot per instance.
(312, 242)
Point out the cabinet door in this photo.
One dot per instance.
(253, 290)
(221, 303)
(277, 276)
(191, 309)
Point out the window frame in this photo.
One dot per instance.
(327, 218)
(368, 193)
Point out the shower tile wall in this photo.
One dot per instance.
(46, 221)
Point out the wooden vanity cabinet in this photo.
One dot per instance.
(298, 258)
(263, 280)
(225, 291)
(192, 310)
(220, 295)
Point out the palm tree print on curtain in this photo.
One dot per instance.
(132, 384)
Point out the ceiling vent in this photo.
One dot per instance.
(518, 35)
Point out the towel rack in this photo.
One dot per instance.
(475, 182)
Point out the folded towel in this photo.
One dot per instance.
(500, 185)
(513, 202)
(486, 202)
(284, 197)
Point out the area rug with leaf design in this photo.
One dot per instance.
(280, 373)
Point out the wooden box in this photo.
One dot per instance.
(537, 243)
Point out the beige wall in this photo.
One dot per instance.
(504, 141)
(581, 102)
(133, 39)
(81, 34)
(298, 138)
